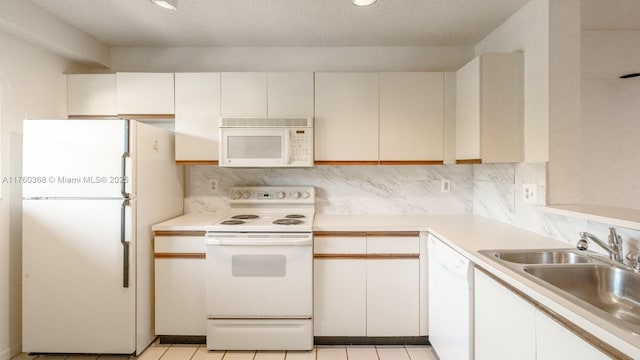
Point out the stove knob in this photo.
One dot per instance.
(282, 194)
(246, 195)
(306, 194)
(297, 195)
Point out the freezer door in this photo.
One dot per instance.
(74, 158)
(73, 295)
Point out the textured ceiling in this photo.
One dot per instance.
(285, 22)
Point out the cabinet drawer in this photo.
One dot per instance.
(393, 245)
(340, 244)
(179, 245)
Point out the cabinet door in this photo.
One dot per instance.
(502, 109)
(290, 94)
(555, 342)
(180, 296)
(468, 111)
(244, 94)
(411, 116)
(145, 93)
(180, 285)
(393, 293)
(197, 116)
(91, 95)
(393, 286)
(346, 117)
(504, 323)
(340, 297)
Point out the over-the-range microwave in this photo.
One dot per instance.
(266, 142)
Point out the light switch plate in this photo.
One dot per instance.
(530, 193)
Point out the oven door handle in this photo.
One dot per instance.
(256, 242)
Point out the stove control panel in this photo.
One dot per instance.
(274, 194)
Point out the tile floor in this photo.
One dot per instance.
(194, 352)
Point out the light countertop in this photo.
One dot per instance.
(189, 222)
(467, 234)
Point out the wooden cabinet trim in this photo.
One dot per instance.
(179, 233)
(180, 256)
(346, 162)
(197, 162)
(411, 162)
(367, 256)
(366, 233)
(469, 161)
(93, 117)
(575, 329)
(147, 116)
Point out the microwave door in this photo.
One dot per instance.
(243, 147)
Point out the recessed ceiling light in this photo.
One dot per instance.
(167, 4)
(363, 2)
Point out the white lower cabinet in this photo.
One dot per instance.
(393, 297)
(340, 297)
(555, 342)
(180, 285)
(504, 322)
(509, 327)
(366, 285)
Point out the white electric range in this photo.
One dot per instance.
(260, 271)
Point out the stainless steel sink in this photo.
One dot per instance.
(560, 256)
(613, 290)
(605, 288)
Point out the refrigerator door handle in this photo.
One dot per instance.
(124, 180)
(125, 243)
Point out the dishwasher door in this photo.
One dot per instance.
(450, 302)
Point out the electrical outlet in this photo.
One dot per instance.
(213, 185)
(445, 185)
(530, 193)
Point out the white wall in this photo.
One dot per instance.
(442, 58)
(548, 31)
(31, 85)
(610, 134)
(528, 31)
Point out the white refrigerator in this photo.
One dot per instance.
(92, 189)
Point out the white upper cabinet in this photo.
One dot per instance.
(197, 97)
(244, 94)
(346, 117)
(145, 93)
(411, 116)
(290, 94)
(489, 109)
(258, 94)
(91, 95)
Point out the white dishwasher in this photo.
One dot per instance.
(450, 302)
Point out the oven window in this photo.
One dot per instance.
(258, 265)
(254, 147)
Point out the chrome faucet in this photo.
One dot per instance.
(614, 248)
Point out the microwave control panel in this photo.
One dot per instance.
(302, 147)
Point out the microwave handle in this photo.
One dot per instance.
(287, 147)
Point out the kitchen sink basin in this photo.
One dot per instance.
(613, 290)
(560, 256)
(604, 287)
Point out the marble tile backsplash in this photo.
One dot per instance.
(490, 190)
(497, 194)
(345, 189)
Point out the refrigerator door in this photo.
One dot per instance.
(74, 158)
(74, 300)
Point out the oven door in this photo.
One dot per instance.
(254, 147)
(259, 275)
